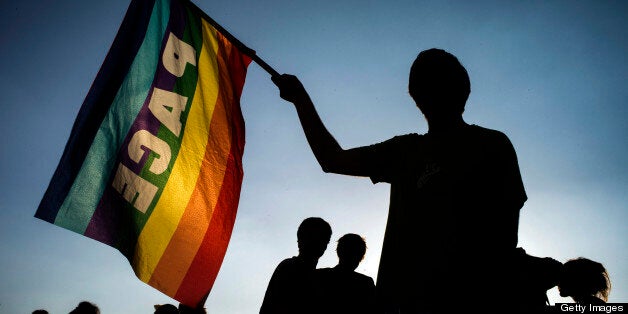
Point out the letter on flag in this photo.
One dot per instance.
(153, 164)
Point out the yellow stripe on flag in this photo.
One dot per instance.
(163, 221)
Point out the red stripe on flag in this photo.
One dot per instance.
(204, 268)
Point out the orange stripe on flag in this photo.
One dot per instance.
(193, 225)
(204, 268)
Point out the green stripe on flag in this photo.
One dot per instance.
(185, 85)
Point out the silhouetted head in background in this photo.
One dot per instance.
(166, 309)
(85, 307)
(581, 279)
(313, 236)
(184, 309)
(351, 249)
(439, 84)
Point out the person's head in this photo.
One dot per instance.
(86, 308)
(582, 277)
(439, 84)
(351, 249)
(313, 236)
(40, 312)
(184, 309)
(166, 309)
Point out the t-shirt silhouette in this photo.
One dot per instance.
(453, 217)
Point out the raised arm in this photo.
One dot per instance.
(330, 155)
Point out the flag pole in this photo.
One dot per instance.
(242, 47)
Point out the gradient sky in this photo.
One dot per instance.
(550, 74)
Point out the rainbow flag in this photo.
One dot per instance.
(153, 165)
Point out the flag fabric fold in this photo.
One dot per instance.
(153, 164)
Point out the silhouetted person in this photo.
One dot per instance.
(166, 309)
(534, 276)
(456, 193)
(585, 281)
(290, 287)
(184, 309)
(85, 307)
(40, 312)
(342, 290)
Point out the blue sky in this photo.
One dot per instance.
(550, 74)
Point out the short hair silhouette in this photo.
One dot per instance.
(314, 228)
(166, 309)
(438, 82)
(583, 278)
(40, 312)
(184, 309)
(85, 307)
(313, 235)
(351, 249)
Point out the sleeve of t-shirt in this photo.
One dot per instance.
(511, 180)
(384, 158)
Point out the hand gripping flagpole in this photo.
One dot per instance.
(242, 47)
